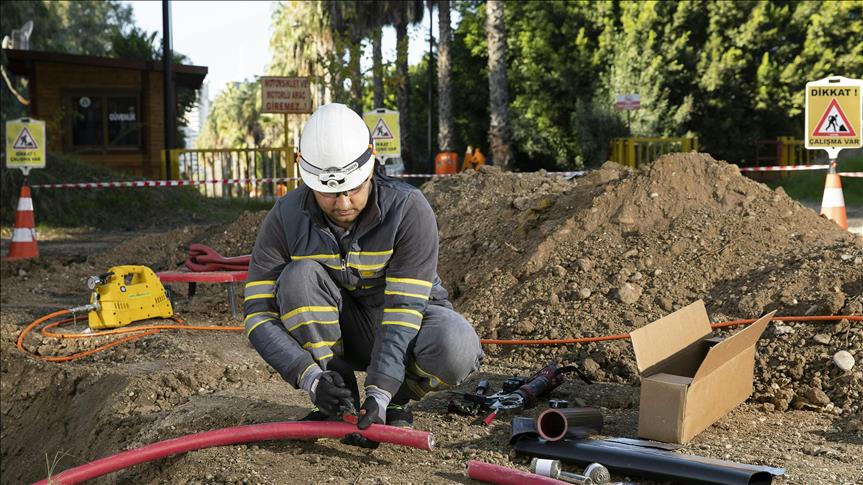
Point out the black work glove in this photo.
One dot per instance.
(370, 413)
(330, 393)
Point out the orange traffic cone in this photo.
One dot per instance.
(24, 244)
(833, 202)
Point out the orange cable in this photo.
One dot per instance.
(623, 336)
(143, 331)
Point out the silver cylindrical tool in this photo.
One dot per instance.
(598, 473)
(551, 468)
(546, 468)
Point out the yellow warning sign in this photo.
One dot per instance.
(25, 144)
(834, 114)
(384, 126)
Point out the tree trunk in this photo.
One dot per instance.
(402, 96)
(377, 69)
(444, 86)
(500, 133)
(356, 51)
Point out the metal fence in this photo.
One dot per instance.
(635, 151)
(783, 151)
(236, 172)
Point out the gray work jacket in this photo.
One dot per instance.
(391, 262)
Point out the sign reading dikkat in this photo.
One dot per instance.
(834, 112)
(384, 127)
(25, 144)
(286, 95)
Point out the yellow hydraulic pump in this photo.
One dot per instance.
(126, 294)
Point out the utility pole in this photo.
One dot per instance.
(168, 91)
(430, 77)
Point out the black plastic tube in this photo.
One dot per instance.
(648, 462)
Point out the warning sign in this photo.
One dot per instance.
(25, 141)
(834, 122)
(384, 127)
(834, 112)
(382, 131)
(25, 144)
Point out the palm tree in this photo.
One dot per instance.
(500, 132)
(444, 79)
(402, 14)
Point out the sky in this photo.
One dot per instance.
(232, 38)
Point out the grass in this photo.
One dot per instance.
(126, 208)
(809, 185)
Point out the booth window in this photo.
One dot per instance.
(105, 121)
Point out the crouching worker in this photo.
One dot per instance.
(343, 277)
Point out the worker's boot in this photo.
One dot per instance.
(398, 413)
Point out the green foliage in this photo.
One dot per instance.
(87, 27)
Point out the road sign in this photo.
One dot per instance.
(25, 144)
(384, 126)
(286, 95)
(627, 102)
(834, 114)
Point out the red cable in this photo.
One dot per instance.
(240, 434)
(490, 473)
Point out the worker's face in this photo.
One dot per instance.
(344, 208)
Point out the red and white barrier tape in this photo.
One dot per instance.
(158, 183)
(851, 174)
(782, 168)
(183, 183)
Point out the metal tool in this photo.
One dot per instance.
(598, 473)
(539, 384)
(126, 294)
(552, 469)
(558, 403)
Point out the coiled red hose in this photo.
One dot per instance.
(240, 434)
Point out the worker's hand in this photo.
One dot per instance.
(330, 392)
(371, 413)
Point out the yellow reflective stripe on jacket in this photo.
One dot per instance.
(411, 295)
(252, 325)
(309, 322)
(371, 253)
(260, 283)
(403, 310)
(403, 324)
(432, 378)
(317, 345)
(304, 309)
(259, 296)
(410, 281)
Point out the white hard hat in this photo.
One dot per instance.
(336, 150)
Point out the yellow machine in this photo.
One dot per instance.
(126, 294)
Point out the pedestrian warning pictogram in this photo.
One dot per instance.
(25, 141)
(834, 122)
(25, 144)
(382, 131)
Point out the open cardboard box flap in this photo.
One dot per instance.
(665, 337)
(730, 347)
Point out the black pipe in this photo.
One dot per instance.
(648, 462)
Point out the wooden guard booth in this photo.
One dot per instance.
(104, 111)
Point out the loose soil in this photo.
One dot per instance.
(524, 256)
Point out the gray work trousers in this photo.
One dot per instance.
(328, 322)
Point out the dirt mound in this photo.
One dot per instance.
(528, 256)
(524, 255)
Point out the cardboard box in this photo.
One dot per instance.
(689, 379)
